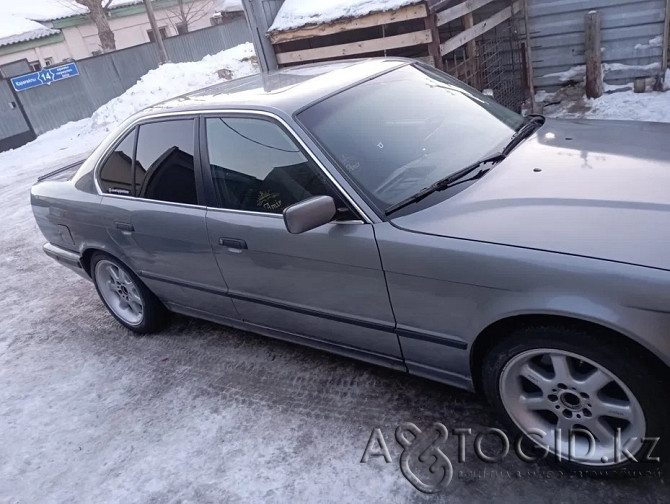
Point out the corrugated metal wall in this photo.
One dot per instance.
(11, 119)
(630, 38)
(109, 75)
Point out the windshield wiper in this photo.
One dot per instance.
(447, 182)
(529, 126)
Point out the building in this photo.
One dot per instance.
(48, 32)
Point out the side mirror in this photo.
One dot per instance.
(309, 214)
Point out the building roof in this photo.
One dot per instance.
(295, 14)
(21, 20)
(48, 10)
(286, 90)
(15, 29)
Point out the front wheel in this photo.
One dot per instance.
(589, 402)
(125, 296)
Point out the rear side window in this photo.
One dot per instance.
(164, 164)
(116, 175)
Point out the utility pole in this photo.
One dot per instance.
(162, 53)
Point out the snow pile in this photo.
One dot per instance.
(618, 102)
(228, 5)
(655, 42)
(75, 140)
(174, 79)
(610, 70)
(15, 29)
(298, 13)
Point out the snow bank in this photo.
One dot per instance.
(578, 73)
(298, 13)
(619, 102)
(174, 79)
(75, 140)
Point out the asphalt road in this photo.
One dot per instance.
(201, 413)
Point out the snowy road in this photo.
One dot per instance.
(200, 413)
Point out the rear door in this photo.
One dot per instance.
(156, 216)
(326, 284)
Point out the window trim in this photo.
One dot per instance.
(197, 167)
(200, 115)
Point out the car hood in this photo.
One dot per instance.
(592, 188)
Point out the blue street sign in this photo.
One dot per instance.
(45, 76)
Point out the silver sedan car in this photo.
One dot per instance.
(383, 210)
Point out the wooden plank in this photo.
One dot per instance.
(362, 47)
(479, 29)
(666, 37)
(471, 50)
(434, 46)
(376, 19)
(460, 10)
(593, 55)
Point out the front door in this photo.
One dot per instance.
(326, 284)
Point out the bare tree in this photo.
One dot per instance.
(187, 12)
(97, 11)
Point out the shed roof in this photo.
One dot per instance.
(295, 14)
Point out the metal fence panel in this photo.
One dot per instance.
(198, 44)
(101, 79)
(628, 27)
(51, 106)
(132, 63)
(104, 77)
(14, 69)
(11, 119)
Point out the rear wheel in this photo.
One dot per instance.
(125, 296)
(587, 401)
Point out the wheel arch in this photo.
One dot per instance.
(87, 256)
(502, 328)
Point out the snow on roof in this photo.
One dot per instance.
(299, 13)
(48, 10)
(228, 5)
(14, 29)
(41, 10)
(20, 20)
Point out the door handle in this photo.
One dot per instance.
(124, 226)
(233, 243)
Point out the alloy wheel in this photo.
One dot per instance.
(576, 408)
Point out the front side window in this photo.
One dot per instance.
(116, 174)
(257, 167)
(404, 130)
(164, 164)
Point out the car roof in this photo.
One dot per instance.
(287, 89)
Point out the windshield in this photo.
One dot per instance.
(404, 130)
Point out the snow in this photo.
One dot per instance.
(19, 20)
(15, 29)
(655, 42)
(578, 73)
(46, 10)
(75, 140)
(298, 13)
(618, 103)
(228, 6)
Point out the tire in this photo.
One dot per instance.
(578, 380)
(125, 296)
